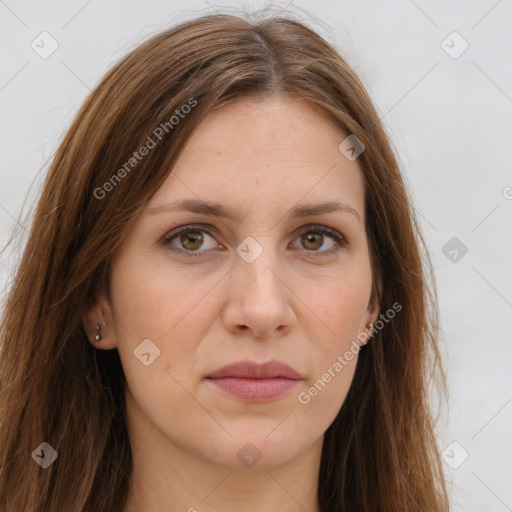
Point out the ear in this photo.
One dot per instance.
(375, 301)
(100, 314)
(373, 308)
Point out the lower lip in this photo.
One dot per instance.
(255, 390)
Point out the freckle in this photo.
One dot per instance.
(257, 182)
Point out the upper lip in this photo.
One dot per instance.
(253, 370)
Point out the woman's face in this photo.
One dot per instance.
(263, 285)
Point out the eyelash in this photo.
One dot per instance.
(339, 239)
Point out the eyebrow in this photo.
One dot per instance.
(219, 210)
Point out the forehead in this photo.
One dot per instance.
(248, 128)
(271, 153)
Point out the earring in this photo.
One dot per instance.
(369, 326)
(98, 333)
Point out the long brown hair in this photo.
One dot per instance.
(380, 453)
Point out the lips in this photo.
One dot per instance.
(252, 370)
(255, 382)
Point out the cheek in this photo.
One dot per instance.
(152, 296)
(338, 305)
(324, 395)
(334, 354)
(154, 300)
(151, 302)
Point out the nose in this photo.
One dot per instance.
(259, 299)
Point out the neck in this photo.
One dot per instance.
(168, 477)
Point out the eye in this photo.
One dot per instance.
(189, 240)
(312, 238)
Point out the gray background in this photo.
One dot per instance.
(449, 120)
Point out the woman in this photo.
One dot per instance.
(222, 303)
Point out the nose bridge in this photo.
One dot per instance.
(259, 296)
(257, 265)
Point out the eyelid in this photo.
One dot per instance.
(339, 238)
(207, 228)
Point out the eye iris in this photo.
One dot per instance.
(309, 237)
(194, 236)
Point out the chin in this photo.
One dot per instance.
(255, 448)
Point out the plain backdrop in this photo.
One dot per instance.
(440, 75)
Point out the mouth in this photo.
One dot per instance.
(255, 382)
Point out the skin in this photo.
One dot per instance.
(291, 304)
